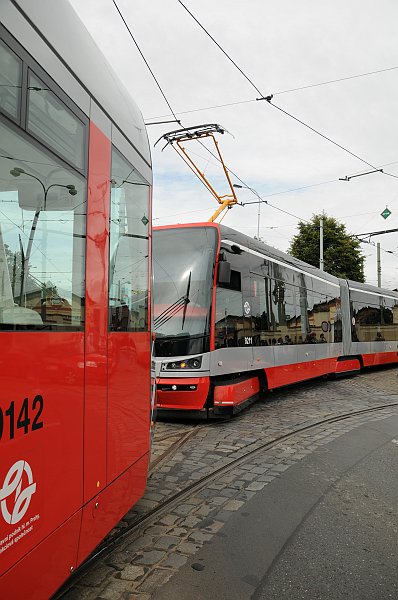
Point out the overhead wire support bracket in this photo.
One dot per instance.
(179, 136)
(348, 177)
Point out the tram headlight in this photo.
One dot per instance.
(190, 363)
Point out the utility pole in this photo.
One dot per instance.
(321, 243)
(378, 266)
(258, 222)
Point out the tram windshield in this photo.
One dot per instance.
(183, 266)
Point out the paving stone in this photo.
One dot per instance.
(200, 537)
(175, 561)
(156, 579)
(214, 526)
(139, 543)
(233, 505)
(166, 542)
(178, 531)
(131, 573)
(188, 548)
(256, 486)
(245, 495)
(150, 558)
(97, 576)
(118, 560)
(169, 520)
(115, 590)
(155, 531)
(183, 510)
(204, 511)
(190, 521)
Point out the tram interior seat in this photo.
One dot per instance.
(18, 315)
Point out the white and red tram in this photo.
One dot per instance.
(75, 215)
(234, 316)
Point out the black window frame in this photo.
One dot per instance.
(29, 64)
(19, 126)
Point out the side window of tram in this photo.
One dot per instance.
(366, 318)
(389, 319)
(229, 319)
(10, 81)
(129, 247)
(42, 239)
(281, 300)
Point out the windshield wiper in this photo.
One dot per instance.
(174, 308)
(186, 299)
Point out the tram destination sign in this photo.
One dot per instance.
(386, 213)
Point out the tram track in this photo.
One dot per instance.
(181, 495)
(171, 450)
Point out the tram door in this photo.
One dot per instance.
(128, 327)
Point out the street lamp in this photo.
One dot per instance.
(16, 172)
(238, 186)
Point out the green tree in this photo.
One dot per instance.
(341, 252)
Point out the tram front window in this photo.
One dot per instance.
(42, 238)
(183, 266)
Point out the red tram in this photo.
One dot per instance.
(234, 317)
(75, 215)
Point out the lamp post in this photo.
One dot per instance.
(236, 185)
(16, 172)
(321, 243)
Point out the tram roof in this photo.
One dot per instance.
(58, 25)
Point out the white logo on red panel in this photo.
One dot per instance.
(17, 491)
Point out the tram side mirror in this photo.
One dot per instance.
(224, 272)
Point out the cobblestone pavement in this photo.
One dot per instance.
(149, 557)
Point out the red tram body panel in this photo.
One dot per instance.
(75, 234)
(242, 317)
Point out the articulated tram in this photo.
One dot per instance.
(234, 317)
(75, 394)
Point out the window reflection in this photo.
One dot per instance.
(53, 123)
(374, 319)
(10, 81)
(42, 239)
(129, 248)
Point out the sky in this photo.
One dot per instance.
(280, 46)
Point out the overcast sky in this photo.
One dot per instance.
(280, 46)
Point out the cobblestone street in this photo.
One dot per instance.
(149, 556)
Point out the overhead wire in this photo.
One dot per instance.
(145, 61)
(267, 98)
(296, 89)
(270, 97)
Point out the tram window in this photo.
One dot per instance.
(320, 326)
(366, 322)
(52, 122)
(42, 239)
(10, 81)
(260, 315)
(235, 282)
(335, 319)
(389, 319)
(229, 321)
(129, 248)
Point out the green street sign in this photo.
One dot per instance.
(386, 213)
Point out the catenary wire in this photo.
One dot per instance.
(269, 98)
(296, 89)
(145, 61)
